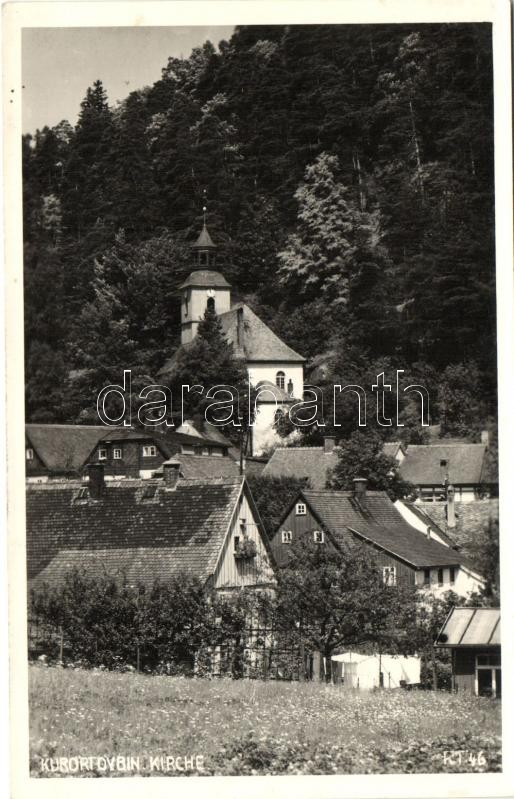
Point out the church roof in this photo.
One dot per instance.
(253, 340)
(204, 240)
(205, 278)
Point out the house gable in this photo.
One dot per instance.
(232, 571)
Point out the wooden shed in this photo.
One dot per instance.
(473, 635)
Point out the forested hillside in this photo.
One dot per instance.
(348, 172)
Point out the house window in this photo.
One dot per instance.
(287, 536)
(389, 575)
(426, 576)
(440, 576)
(301, 510)
(187, 450)
(452, 574)
(236, 543)
(205, 451)
(102, 454)
(319, 537)
(242, 526)
(149, 451)
(83, 494)
(29, 454)
(280, 380)
(117, 453)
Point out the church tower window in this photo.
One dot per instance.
(211, 304)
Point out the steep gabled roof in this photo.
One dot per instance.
(376, 520)
(174, 532)
(391, 448)
(302, 462)
(259, 342)
(64, 447)
(422, 463)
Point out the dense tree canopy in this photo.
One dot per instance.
(349, 177)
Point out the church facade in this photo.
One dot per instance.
(274, 368)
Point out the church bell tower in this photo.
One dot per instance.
(204, 288)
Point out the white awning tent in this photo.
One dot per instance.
(356, 670)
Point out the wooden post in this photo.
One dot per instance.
(61, 644)
(137, 659)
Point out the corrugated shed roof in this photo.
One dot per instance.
(64, 447)
(205, 278)
(173, 532)
(422, 463)
(376, 519)
(471, 627)
(302, 462)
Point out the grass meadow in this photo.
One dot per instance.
(249, 727)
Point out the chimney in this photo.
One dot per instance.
(484, 437)
(359, 487)
(329, 443)
(96, 480)
(450, 507)
(240, 328)
(171, 473)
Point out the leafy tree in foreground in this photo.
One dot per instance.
(328, 599)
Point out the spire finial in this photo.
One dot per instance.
(204, 209)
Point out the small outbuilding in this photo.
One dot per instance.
(473, 636)
(365, 672)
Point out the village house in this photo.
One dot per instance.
(148, 529)
(404, 553)
(274, 369)
(474, 637)
(56, 452)
(429, 467)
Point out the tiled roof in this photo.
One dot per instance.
(302, 462)
(270, 392)
(391, 448)
(418, 510)
(254, 341)
(204, 239)
(64, 447)
(376, 519)
(259, 342)
(471, 520)
(422, 463)
(195, 467)
(205, 278)
(471, 627)
(176, 532)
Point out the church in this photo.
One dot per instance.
(274, 369)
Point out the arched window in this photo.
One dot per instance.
(280, 379)
(211, 304)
